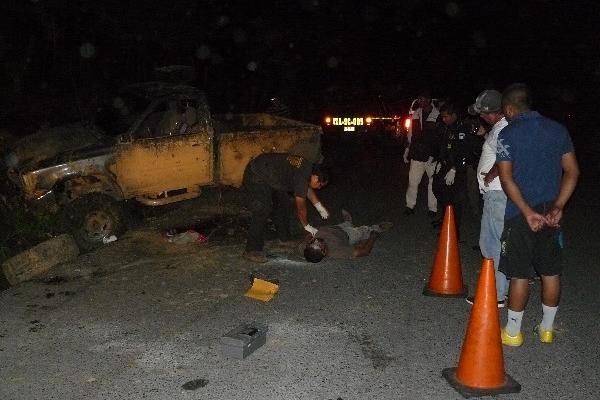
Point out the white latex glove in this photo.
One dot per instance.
(310, 229)
(449, 178)
(322, 210)
(405, 156)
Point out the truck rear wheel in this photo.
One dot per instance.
(93, 217)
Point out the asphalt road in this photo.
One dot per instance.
(139, 319)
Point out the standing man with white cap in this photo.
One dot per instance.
(422, 145)
(488, 105)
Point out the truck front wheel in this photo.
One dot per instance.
(93, 217)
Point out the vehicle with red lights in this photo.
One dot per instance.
(375, 119)
(358, 121)
(352, 124)
(404, 122)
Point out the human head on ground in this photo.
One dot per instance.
(488, 105)
(319, 177)
(449, 114)
(315, 250)
(516, 100)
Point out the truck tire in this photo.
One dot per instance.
(93, 217)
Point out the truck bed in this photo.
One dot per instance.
(241, 137)
(229, 123)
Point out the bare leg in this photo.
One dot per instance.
(551, 290)
(518, 294)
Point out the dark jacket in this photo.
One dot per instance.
(459, 146)
(425, 140)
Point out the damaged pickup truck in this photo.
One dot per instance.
(168, 154)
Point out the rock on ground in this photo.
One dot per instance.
(39, 259)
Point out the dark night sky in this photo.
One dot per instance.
(309, 52)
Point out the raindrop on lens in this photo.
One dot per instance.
(452, 9)
(87, 50)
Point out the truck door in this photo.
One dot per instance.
(167, 151)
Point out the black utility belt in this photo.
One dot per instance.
(460, 165)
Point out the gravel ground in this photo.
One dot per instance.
(141, 317)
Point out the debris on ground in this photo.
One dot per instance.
(262, 290)
(242, 341)
(215, 229)
(108, 239)
(39, 259)
(189, 236)
(195, 384)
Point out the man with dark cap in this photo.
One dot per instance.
(268, 180)
(488, 105)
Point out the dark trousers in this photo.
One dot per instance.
(473, 197)
(454, 194)
(264, 201)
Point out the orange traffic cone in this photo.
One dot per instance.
(480, 370)
(446, 275)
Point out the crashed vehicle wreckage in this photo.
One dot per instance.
(171, 151)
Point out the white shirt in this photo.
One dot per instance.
(418, 114)
(488, 157)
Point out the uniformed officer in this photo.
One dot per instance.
(268, 180)
(458, 150)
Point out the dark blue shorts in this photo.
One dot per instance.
(524, 252)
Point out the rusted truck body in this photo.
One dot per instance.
(170, 153)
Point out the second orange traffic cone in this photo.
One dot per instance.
(446, 274)
(480, 370)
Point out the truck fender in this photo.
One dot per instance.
(75, 187)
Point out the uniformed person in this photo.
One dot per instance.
(458, 150)
(268, 180)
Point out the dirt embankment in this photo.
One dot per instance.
(210, 228)
(149, 248)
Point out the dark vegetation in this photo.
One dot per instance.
(20, 226)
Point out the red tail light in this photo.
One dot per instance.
(328, 120)
(407, 123)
